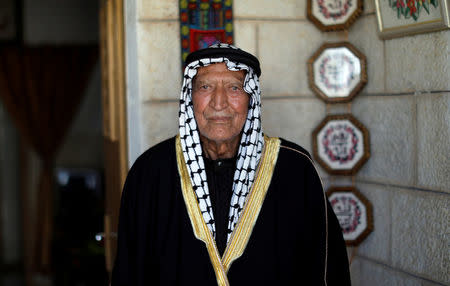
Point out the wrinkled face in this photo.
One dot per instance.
(220, 102)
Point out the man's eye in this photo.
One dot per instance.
(235, 88)
(205, 86)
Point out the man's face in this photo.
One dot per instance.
(220, 102)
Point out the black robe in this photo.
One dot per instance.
(294, 241)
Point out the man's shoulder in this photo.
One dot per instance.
(294, 158)
(157, 153)
(293, 150)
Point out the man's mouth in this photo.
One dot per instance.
(219, 118)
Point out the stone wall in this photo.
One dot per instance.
(405, 106)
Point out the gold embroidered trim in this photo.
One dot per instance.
(201, 231)
(248, 217)
(243, 230)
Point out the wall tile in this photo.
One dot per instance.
(420, 233)
(369, 6)
(292, 119)
(159, 60)
(377, 245)
(159, 122)
(374, 274)
(433, 121)
(390, 121)
(157, 9)
(333, 36)
(284, 68)
(285, 9)
(430, 283)
(355, 271)
(245, 35)
(363, 35)
(335, 181)
(420, 62)
(339, 108)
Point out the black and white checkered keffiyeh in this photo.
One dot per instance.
(250, 149)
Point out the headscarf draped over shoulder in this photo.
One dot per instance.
(252, 140)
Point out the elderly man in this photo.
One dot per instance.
(222, 203)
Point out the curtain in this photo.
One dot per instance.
(41, 88)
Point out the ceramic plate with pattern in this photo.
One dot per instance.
(337, 72)
(341, 144)
(354, 213)
(334, 15)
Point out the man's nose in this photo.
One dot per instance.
(219, 99)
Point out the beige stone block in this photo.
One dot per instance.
(355, 271)
(418, 63)
(368, 273)
(264, 9)
(157, 9)
(335, 181)
(292, 119)
(420, 234)
(430, 283)
(323, 175)
(433, 138)
(159, 60)
(245, 35)
(284, 68)
(159, 122)
(378, 243)
(390, 121)
(339, 108)
(363, 35)
(369, 6)
(333, 36)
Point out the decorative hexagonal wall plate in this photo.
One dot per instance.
(337, 72)
(334, 15)
(354, 213)
(341, 144)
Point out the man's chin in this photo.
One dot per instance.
(221, 137)
(222, 121)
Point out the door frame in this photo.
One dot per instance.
(112, 53)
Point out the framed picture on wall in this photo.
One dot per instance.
(9, 21)
(406, 17)
(204, 23)
(337, 72)
(334, 15)
(341, 144)
(354, 213)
